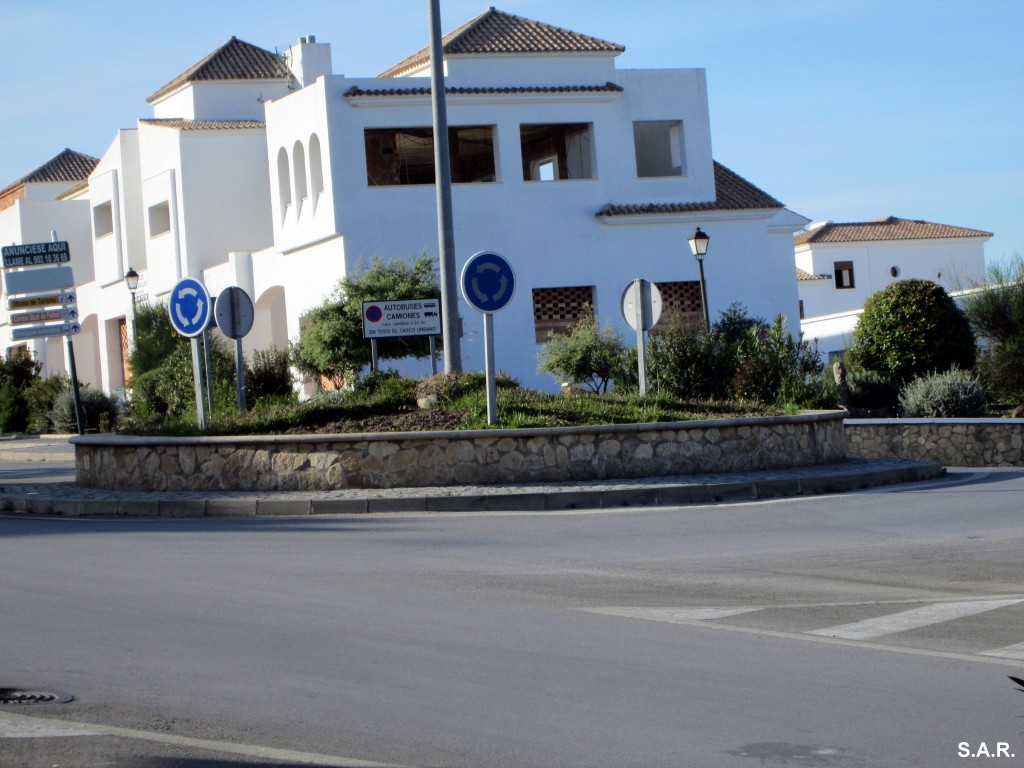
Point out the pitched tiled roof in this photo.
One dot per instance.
(67, 166)
(801, 275)
(495, 31)
(887, 228)
(732, 193)
(182, 124)
(235, 60)
(355, 90)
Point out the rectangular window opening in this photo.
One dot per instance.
(102, 220)
(159, 219)
(659, 148)
(556, 152)
(405, 156)
(844, 274)
(557, 309)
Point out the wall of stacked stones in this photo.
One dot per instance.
(415, 459)
(950, 442)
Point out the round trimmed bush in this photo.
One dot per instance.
(911, 328)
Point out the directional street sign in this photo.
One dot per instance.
(488, 282)
(64, 299)
(36, 254)
(189, 307)
(39, 280)
(39, 331)
(45, 316)
(409, 317)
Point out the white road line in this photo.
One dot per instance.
(1009, 652)
(912, 619)
(248, 750)
(17, 729)
(675, 615)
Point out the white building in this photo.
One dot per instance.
(840, 265)
(276, 175)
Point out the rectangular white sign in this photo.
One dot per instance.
(408, 317)
(38, 280)
(44, 316)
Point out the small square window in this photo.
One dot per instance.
(659, 148)
(844, 274)
(102, 220)
(159, 219)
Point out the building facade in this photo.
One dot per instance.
(840, 265)
(274, 174)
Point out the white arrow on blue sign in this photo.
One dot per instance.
(488, 282)
(189, 307)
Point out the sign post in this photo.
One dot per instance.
(189, 309)
(488, 285)
(34, 281)
(641, 308)
(235, 316)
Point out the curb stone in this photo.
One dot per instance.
(70, 500)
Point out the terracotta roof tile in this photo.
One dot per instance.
(732, 193)
(355, 90)
(495, 31)
(801, 275)
(887, 228)
(182, 124)
(68, 166)
(235, 60)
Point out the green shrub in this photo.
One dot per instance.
(270, 375)
(98, 410)
(589, 356)
(871, 389)
(911, 328)
(691, 364)
(14, 410)
(774, 368)
(944, 395)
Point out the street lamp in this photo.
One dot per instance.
(699, 246)
(131, 279)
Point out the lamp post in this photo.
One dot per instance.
(131, 279)
(699, 246)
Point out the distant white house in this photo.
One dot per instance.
(840, 265)
(272, 173)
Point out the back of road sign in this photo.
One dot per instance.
(234, 312)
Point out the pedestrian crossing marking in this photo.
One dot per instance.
(1009, 652)
(912, 619)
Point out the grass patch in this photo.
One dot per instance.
(388, 404)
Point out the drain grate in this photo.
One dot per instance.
(19, 696)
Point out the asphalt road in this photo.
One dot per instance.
(872, 629)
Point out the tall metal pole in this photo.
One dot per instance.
(450, 330)
(704, 296)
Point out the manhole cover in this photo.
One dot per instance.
(19, 696)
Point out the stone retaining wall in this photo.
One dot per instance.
(489, 457)
(950, 442)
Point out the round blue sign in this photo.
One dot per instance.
(488, 282)
(189, 307)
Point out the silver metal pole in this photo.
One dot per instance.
(492, 391)
(197, 379)
(445, 223)
(240, 375)
(641, 351)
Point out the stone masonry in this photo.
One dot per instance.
(950, 442)
(489, 457)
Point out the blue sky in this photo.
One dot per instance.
(846, 110)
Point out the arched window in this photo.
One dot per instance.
(316, 168)
(284, 182)
(299, 169)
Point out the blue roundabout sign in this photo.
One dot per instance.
(488, 282)
(189, 307)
